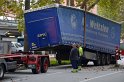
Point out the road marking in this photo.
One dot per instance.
(100, 76)
(53, 73)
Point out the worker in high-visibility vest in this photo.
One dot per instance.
(80, 49)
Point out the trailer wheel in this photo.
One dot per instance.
(44, 65)
(37, 69)
(85, 62)
(107, 59)
(103, 59)
(98, 61)
(1, 71)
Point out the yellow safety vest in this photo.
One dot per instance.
(80, 51)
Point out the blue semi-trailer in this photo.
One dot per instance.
(56, 27)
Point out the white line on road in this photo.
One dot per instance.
(100, 76)
(53, 73)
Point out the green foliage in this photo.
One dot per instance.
(79, 2)
(89, 2)
(122, 46)
(112, 9)
(122, 30)
(17, 8)
(53, 62)
(109, 9)
(40, 3)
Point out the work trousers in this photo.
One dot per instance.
(74, 64)
(80, 61)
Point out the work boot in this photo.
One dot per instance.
(74, 70)
(79, 67)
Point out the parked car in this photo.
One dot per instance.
(16, 47)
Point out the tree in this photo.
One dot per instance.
(122, 30)
(72, 3)
(109, 8)
(26, 48)
(114, 10)
(16, 7)
(57, 1)
(90, 3)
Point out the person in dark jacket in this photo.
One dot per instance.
(74, 58)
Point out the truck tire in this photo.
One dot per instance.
(98, 61)
(2, 71)
(108, 59)
(103, 59)
(44, 65)
(85, 62)
(112, 59)
(38, 68)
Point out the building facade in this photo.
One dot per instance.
(8, 30)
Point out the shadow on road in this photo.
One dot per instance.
(20, 72)
(67, 66)
(10, 78)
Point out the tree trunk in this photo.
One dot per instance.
(57, 1)
(26, 49)
(72, 3)
(68, 2)
(90, 7)
(84, 3)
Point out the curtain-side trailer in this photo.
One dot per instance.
(56, 27)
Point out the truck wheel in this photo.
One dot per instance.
(107, 59)
(37, 69)
(112, 59)
(1, 71)
(44, 65)
(85, 62)
(103, 59)
(98, 61)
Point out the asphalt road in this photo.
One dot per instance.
(63, 74)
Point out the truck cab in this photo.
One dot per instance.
(6, 62)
